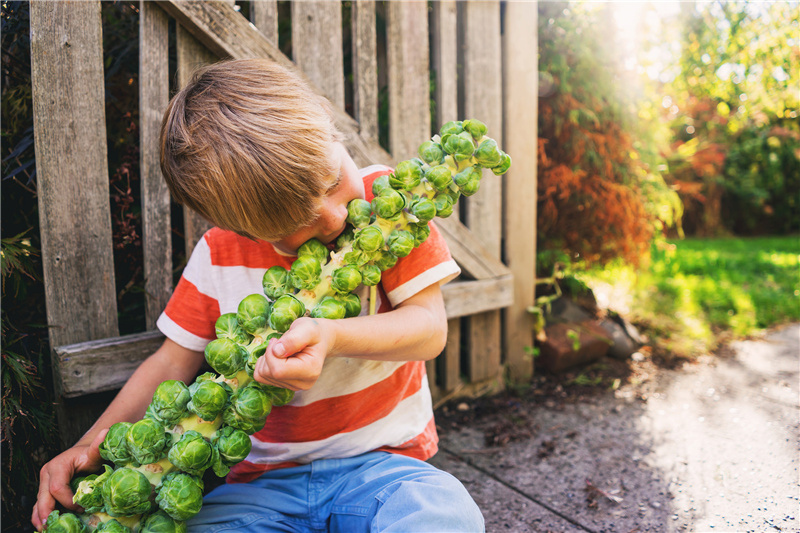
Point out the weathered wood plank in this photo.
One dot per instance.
(407, 55)
(72, 182)
(153, 100)
(105, 364)
(191, 55)
(464, 298)
(483, 100)
(365, 68)
(264, 15)
(451, 365)
(520, 135)
(444, 54)
(317, 45)
(468, 252)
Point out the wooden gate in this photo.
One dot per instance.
(484, 57)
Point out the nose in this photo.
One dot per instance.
(332, 217)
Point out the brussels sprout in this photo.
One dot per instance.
(439, 177)
(357, 258)
(208, 399)
(112, 526)
(253, 313)
(476, 128)
(114, 447)
(315, 249)
(424, 209)
(305, 272)
(347, 237)
(368, 239)
(444, 205)
(330, 308)
(460, 144)
(192, 453)
(147, 441)
(286, 310)
(380, 184)
(400, 242)
(161, 522)
(64, 523)
(275, 282)
(248, 409)
(352, 304)
(359, 212)
(431, 152)
(388, 204)
(468, 180)
(504, 165)
(126, 492)
(385, 261)
(278, 396)
(487, 155)
(452, 127)
(169, 401)
(345, 279)
(420, 233)
(370, 275)
(225, 356)
(88, 493)
(227, 326)
(407, 175)
(180, 495)
(232, 444)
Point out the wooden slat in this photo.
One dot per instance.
(520, 135)
(468, 252)
(483, 101)
(365, 68)
(451, 365)
(444, 53)
(317, 45)
(72, 181)
(464, 298)
(104, 365)
(191, 55)
(407, 55)
(153, 100)
(264, 15)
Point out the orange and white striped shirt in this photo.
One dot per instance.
(356, 406)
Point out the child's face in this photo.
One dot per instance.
(332, 216)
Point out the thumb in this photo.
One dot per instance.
(291, 342)
(93, 451)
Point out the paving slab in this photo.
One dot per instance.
(713, 446)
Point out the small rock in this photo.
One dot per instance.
(462, 407)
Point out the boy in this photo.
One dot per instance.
(253, 150)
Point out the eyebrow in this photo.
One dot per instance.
(335, 183)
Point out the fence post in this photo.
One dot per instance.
(317, 45)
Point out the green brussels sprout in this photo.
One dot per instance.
(169, 401)
(88, 493)
(277, 395)
(444, 205)
(161, 522)
(420, 233)
(359, 212)
(468, 180)
(232, 444)
(452, 127)
(192, 453)
(112, 526)
(352, 304)
(476, 128)
(180, 495)
(126, 492)
(400, 242)
(424, 209)
(64, 523)
(370, 275)
(345, 279)
(275, 282)
(225, 356)
(114, 447)
(147, 441)
(368, 239)
(388, 204)
(431, 152)
(305, 272)
(248, 409)
(385, 260)
(488, 155)
(330, 308)
(439, 177)
(315, 249)
(253, 313)
(460, 144)
(380, 184)
(347, 237)
(357, 258)
(286, 310)
(504, 165)
(407, 175)
(208, 399)
(227, 326)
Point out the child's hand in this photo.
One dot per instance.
(295, 360)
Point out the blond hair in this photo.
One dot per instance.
(247, 144)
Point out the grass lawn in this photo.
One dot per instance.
(696, 292)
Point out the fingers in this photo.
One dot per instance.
(298, 337)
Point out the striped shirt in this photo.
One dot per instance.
(356, 406)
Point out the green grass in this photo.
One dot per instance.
(696, 291)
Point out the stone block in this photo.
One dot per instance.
(572, 344)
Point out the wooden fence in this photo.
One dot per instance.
(484, 57)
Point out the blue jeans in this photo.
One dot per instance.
(377, 491)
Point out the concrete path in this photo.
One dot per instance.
(713, 446)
